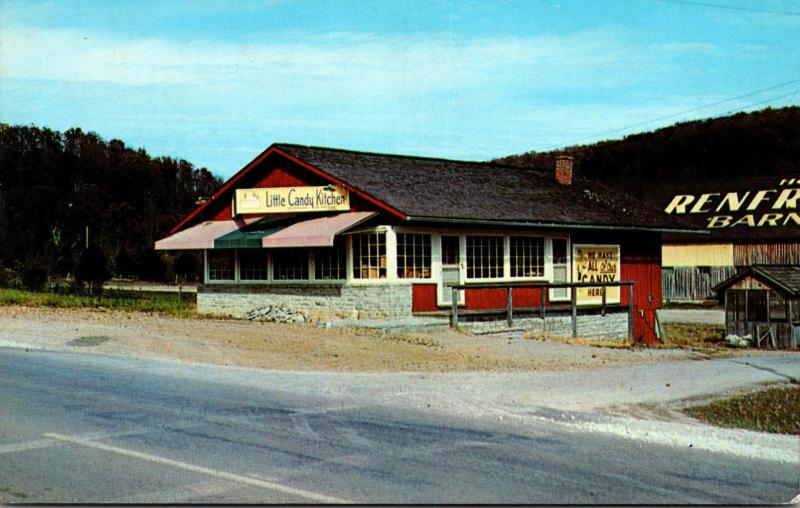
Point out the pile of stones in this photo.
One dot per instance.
(277, 314)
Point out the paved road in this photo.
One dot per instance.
(97, 429)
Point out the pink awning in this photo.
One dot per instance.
(318, 232)
(202, 236)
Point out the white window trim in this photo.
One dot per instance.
(550, 265)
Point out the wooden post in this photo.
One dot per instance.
(574, 314)
(630, 311)
(541, 294)
(603, 307)
(454, 308)
(509, 306)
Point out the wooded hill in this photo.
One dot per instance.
(763, 143)
(54, 185)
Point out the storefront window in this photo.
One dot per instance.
(221, 264)
(484, 257)
(289, 264)
(527, 256)
(369, 256)
(331, 263)
(413, 256)
(253, 264)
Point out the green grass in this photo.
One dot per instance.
(133, 301)
(775, 410)
(699, 336)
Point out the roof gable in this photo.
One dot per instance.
(783, 278)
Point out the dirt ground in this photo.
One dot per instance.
(300, 347)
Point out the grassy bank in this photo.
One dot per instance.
(172, 304)
(775, 410)
(696, 336)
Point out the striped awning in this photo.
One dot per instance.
(267, 232)
(202, 235)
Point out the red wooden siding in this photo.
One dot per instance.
(274, 172)
(423, 298)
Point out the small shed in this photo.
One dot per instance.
(763, 301)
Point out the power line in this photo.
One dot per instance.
(731, 7)
(679, 113)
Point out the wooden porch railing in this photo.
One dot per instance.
(510, 287)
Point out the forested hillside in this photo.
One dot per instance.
(53, 186)
(764, 143)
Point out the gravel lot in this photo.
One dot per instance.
(301, 347)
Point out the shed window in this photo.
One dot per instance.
(413, 256)
(527, 256)
(331, 262)
(777, 307)
(484, 257)
(289, 264)
(253, 264)
(221, 264)
(369, 256)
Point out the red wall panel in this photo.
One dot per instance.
(423, 298)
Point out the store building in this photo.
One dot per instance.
(750, 221)
(340, 233)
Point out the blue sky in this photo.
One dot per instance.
(216, 82)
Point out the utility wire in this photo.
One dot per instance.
(731, 7)
(679, 113)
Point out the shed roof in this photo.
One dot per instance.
(784, 278)
(425, 188)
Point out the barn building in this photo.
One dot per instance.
(348, 234)
(750, 221)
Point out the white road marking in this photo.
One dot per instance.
(47, 443)
(28, 445)
(202, 470)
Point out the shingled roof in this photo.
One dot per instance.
(429, 189)
(785, 278)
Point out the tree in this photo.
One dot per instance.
(186, 266)
(150, 265)
(92, 269)
(124, 264)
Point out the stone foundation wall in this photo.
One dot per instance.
(315, 301)
(612, 326)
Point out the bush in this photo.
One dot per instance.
(151, 266)
(34, 278)
(92, 269)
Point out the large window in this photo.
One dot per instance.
(369, 256)
(413, 256)
(527, 256)
(253, 264)
(289, 264)
(331, 263)
(221, 264)
(484, 257)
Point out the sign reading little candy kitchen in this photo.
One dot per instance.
(328, 198)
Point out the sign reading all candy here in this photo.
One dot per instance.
(328, 198)
(596, 263)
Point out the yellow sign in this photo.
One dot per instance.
(596, 263)
(327, 198)
(765, 208)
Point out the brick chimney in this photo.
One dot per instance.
(564, 169)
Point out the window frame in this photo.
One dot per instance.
(430, 257)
